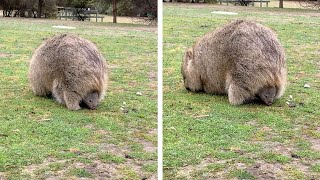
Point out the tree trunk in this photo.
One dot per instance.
(22, 12)
(114, 11)
(39, 8)
(280, 3)
(29, 13)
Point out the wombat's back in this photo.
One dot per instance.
(257, 58)
(80, 65)
(240, 41)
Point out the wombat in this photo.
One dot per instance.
(71, 69)
(243, 59)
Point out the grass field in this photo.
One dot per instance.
(207, 138)
(40, 139)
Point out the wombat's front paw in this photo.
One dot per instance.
(235, 100)
(234, 95)
(73, 107)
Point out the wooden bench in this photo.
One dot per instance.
(245, 2)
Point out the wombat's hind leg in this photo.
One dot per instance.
(39, 90)
(72, 100)
(237, 95)
(57, 92)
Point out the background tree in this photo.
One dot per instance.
(47, 8)
(40, 4)
(114, 10)
(80, 3)
(280, 3)
(144, 8)
(132, 8)
(314, 4)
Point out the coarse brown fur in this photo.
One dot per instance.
(243, 59)
(71, 69)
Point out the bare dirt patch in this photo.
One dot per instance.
(131, 163)
(315, 144)
(188, 170)
(33, 168)
(3, 55)
(263, 170)
(153, 132)
(113, 149)
(99, 169)
(153, 86)
(152, 76)
(278, 148)
(318, 64)
(2, 175)
(153, 80)
(149, 146)
(133, 83)
(114, 171)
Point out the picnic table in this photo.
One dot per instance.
(80, 14)
(245, 2)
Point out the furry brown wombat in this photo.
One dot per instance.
(242, 59)
(71, 69)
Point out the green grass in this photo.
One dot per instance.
(201, 126)
(316, 168)
(241, 174)
(56, 166)
(274, 157)
(151, 167)
(35, 130)
(110, 158)
(80, 173)
(215, 167)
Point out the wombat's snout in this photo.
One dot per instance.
(188, 89)
(269, 103)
